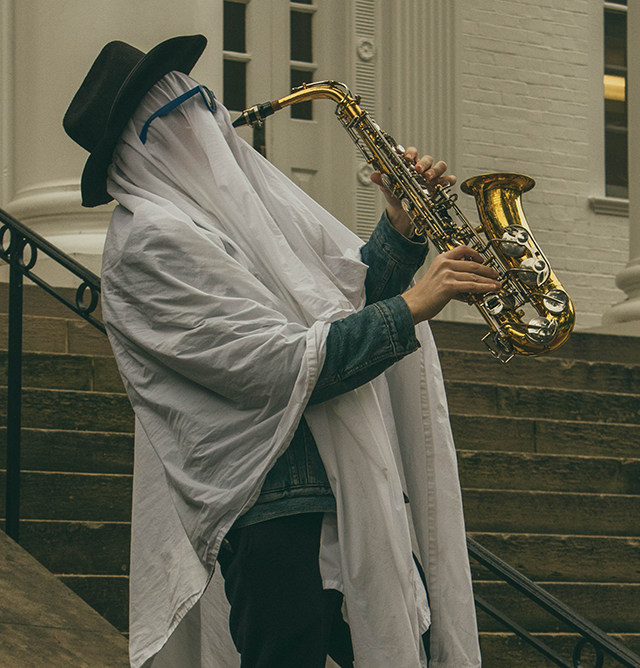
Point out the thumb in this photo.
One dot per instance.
(377, 179)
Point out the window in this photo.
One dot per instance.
(235, 56)
(615, 99)
(301, 54)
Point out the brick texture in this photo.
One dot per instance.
(524, 106)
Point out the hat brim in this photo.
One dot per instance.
(175, 54)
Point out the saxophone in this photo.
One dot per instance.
(528, 282)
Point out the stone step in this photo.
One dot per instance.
(80, 548)
(72, 409)
(35, 301)
(61, 371)
(106, 594)
(550, 473)
(506, 650)
(102, 548)
(73, 451)
(551, 558)
(73, 496)
(490, 432)
(611, 606)
(511, 511)
(551, 372)
(58, 335)
(42, 623)
(580, 346)
(473, 398)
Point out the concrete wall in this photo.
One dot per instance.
(531, 101)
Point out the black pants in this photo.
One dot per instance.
(281, 617)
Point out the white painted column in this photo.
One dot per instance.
(421, 90)
(47, 48)
(419, 76)
(624, 318)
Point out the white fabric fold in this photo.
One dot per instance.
(371, 561)
(220, 281)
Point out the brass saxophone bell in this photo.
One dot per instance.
(530, 278)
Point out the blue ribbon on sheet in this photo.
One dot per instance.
(207, 96)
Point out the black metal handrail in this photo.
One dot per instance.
(13, 253)
(591, 634)
(22, 237)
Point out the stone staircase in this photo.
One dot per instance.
(549, 453)
(77, 453)
(549, 457)
(43, 624)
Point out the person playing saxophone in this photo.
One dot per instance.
(291, 423)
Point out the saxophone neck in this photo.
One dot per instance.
(332, 90)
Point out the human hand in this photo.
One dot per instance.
(433, 174)
(452, 274)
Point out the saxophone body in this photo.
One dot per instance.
(532, 314)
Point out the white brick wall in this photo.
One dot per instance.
(524, 107)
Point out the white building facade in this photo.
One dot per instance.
(487, 85)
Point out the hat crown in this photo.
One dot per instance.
(119, 78)
(86, 118)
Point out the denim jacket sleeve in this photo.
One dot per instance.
(392, 260)
(364, 344)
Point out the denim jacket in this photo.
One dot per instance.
(359, 348)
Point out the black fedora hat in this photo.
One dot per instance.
(116, 83)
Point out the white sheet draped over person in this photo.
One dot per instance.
(220, 281)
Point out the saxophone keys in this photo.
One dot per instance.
(533, 271)
(541, 331)
(496, 304)
(514, 241)
(556, 301)
(512, 249)
(499, 346)
(387, 181)
(493, 304)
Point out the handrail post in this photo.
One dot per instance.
(14, 389)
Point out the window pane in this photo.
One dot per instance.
(615, 40)
(309, 2)
(234, 27)
(616, 157)
(235, 85)
(301, 47)
(303, 110)
(615, 104)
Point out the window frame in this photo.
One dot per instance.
(612, 70)
(239, 56)
(600, 203)
(310, 66)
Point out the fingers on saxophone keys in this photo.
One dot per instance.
(463, 252)
(425, 167)
(477, 288)
(437, 170)
(475, 283)
(474, 276)
(411, 154)
(449, 180)
(476, 272)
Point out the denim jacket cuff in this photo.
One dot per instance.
(395, 245)
(399, 322)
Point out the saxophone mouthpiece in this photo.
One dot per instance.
(254, 115)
